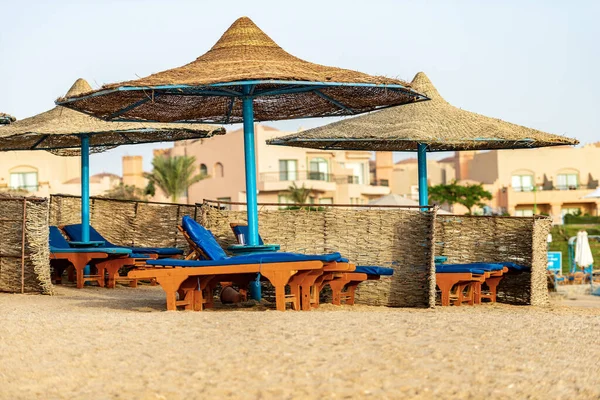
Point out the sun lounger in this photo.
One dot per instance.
(192, 277)
(79, 257)
(342, 283)
(204, 246)
(74, 232)
(448, 276)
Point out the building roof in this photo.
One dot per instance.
(407, 161)
(450, 159)
(97, 178)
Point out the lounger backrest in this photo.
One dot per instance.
(242, 229)
(75, 233)
(203, 238)
(57, 240)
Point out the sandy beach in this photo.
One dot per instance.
(110, 344)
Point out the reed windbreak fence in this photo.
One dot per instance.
(24, 257)
(467, 238)
(402, 238)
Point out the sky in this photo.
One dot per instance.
(534, 63)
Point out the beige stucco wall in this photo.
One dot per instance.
(496, 168)
(229, 151)
(405, 176)
(52, 170)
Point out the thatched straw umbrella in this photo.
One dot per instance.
(244, 77)
(433, 125)
(6, 119)
(66, 132)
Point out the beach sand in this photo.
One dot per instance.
(116, 344)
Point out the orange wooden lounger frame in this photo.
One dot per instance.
(447, 280)
(472, 283)
(192, 281)
(302, 286)
(104, 263)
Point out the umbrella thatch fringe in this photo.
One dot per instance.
(436, 123)
(244, 53)
(6, 118)
(59, 131)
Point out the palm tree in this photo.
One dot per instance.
(174, 175)
(298, 195)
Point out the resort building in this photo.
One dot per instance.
(39, 173)
(551, 181)
(332, 176)
(403, 175)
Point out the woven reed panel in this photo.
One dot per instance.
(126, 223)
(539, 262)
(399, 239)
(466, 239)
(36, 269)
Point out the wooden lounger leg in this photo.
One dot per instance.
(445, 288)
(170, 285)
(493, 283)
(279, 279)
(337, 285)
(351, 291)
(308, 285)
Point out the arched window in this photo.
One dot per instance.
(203, 170)
(319, 169)
(219, 171)
(567, 179)
(523, 180)
(24, 177)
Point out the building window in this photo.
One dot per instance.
(288, 170)
(522, 183)
(385, 182)
(570, 210)
(326, 200)
(358, 172)
(219, 171)
(203, 170)
(24, 180)
(225, 206)
(567, 181)
(319, 170)
(528, 212)
(282, 199)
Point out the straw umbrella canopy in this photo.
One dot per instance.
(6, 119)
(433, 125)
(244, 77)
(66, 132)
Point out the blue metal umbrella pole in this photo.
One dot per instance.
(250, 160)
(85, 188)
(422, 164)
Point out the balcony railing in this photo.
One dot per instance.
(557, 187)
(380, 182)
(284, 176)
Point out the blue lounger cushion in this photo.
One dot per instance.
(457, 268)
(372, 270)
(516, 267)
(207, 242)
(58, 244)
(488, 267)
(74, 232)
(254, 258)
